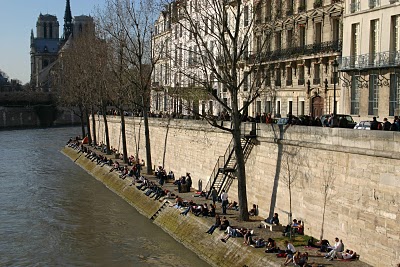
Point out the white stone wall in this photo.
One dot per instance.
(364, 194)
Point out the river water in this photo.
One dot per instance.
(53, 213)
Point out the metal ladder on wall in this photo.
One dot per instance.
(223, 173)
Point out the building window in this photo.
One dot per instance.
(301, 110)
(290, 107)
(336, 29)
(374, 3)
(45, 30)
(318, 33)
(355, 96)
(258, 107)
(246, 81)
(373, 95)
(354, 49)
(245, 108)
(395, 42)
(394, 97)
(354, 6)
(246, 16)
(165, 101)
(268, 107)
(289, 38)
(278, 40)
(374, 41)
(278, 107)
(51, 30)
(300, 80)
(302, 35)
(317, 75)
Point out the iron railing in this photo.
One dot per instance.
(370, 60)
(324, 47)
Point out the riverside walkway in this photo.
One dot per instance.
(316, 258)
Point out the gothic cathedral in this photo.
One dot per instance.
(47, 44)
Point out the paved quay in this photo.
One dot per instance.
(315, 258)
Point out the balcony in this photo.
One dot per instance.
(318, 3)
(293, 52)
(372, 60)
(336, 1)
(354, 6)
(300, 81)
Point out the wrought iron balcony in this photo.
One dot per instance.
(371, 60)
(325, 47)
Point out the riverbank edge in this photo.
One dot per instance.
(187, 230)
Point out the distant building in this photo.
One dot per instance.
(370, 63)
(45, 47)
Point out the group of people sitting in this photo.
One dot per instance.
(196, 209)
(184, 183)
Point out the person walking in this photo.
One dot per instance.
(224, 198)
(214, 195)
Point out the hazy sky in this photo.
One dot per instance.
(18, 18)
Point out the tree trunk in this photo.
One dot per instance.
(147, 137)
(93, 127)
(89, 133)
(81, 117)
(123, 133)
(104, 112)
(241, 168)
(165, 142)
(323, 217)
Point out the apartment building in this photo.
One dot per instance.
(305, 38)
(293, 45)
(369, 67)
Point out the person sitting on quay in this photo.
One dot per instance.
(290, 251)
(346, 255)
(215, 225)
(254, 210)
(224, 224)
(115, 167)
(337, 247)
(124, 172)
(259, 242)
(211, 211)
(273, 220)
(248, 237)
(233, 232)
(271, 246)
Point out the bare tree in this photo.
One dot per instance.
(290, 173)
(328, 181)
(133, 21)
(217, 37)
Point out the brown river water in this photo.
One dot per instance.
(53, 213)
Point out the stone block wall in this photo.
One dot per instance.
(358, 170)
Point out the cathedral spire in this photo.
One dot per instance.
(67, 21)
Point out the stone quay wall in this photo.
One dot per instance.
(355, 175)
(187, 230)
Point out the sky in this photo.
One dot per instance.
(19, 17)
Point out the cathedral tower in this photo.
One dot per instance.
(68, 26)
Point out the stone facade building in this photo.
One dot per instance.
(371, 59)
(293, 45)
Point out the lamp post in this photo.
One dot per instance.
(335, 73)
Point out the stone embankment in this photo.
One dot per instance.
(190, 230)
